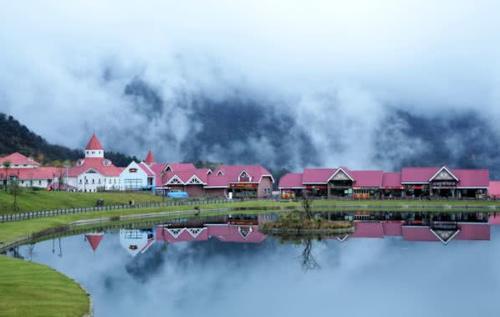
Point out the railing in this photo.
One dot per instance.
(73, 211)
(356, 204)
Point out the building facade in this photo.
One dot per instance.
(26, 172)
(411, 182)
(93, 173)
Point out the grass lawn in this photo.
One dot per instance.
(30, 289)
(29, 200)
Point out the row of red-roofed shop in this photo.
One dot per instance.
(410, 182)
(95, 173)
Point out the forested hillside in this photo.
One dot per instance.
(15, 137)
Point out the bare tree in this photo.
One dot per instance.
(308, 260)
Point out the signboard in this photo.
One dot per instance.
(318, 187)
(244, 186)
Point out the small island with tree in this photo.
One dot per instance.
(304, 223)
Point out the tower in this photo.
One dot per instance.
(94, 148)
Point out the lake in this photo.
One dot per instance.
(228, 268)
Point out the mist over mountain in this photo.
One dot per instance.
(364, 84)
(15, 137)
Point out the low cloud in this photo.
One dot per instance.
(367, 84)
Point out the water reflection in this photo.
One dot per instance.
(227, 267)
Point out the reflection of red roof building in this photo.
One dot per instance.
(222, 232)
(94, 239)
(494, 189)
(460, 231)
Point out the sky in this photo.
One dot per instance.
(288, 84)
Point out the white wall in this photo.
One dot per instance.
(133, 177)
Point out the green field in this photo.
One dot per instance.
(29, 289)
(31, 200)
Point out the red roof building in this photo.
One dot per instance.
(494, 189)
(94, 172)
(411, 181)
(236, 180)
(17, 160)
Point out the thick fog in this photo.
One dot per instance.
(366, 84)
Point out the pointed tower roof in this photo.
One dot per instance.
(94, 143)
(150, 159)
(94, 239)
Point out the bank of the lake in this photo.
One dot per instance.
(31, 289)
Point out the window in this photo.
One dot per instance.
(39, 182)
(194, 180)
(80, 181)
(132, 170)
(244, 177)
(93, 181)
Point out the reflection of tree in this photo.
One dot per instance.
(308, 260)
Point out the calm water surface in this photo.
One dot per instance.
(357, 277)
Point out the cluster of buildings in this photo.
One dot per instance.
(96, 173)
(410, 182)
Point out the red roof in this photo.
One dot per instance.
(146, 169)
(317, 175)
(392, 228)
(494, 189)
(474, 231)
(150, 159)
(418, 233)
(178, 167)
(369, 179)
(222, 232)
(291, 180)
(232, 172)
(37, 173)
(18, 159)
(185, 176)
(468, 231)
(418, 174)
(94, 144)
(472, 178)
(368, 229)
(100, 165)
(94, 239)
(391, 180)
(214, 180)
